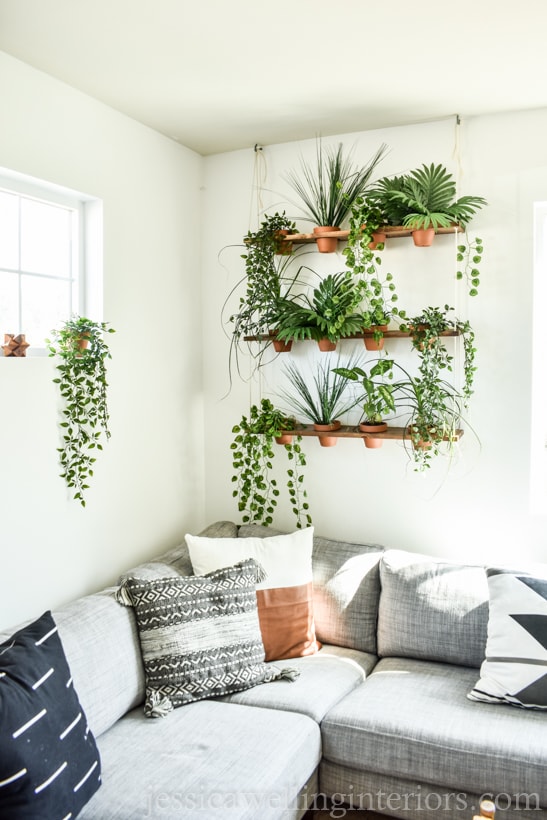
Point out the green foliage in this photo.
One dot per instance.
(425, 198)
(329, 187)
(252, 459)
(378, 399)
(83, 388)
(331, 312)
(327, 399)
(379, 293)
(468, 256)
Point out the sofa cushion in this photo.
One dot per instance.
(324, 679)
(346, 590)
(209, 760)
(285, 597)
(431, 609)
(413, 718)
(49, 763)
(515, 668)
(199, 635)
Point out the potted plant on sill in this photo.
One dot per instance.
(363, 259)
(378, 399)
(328, 188)
(266, 281)
(81, 350)
(331, 313)
(323, 403)
(425, 200)
(252, 456)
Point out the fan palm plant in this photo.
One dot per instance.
(331, 313)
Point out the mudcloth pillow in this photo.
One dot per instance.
(515, 668)
(199, 635)
(285, 595)
(49, 763)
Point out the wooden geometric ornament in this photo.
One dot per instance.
(15, 345)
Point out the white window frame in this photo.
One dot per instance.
(86, 273)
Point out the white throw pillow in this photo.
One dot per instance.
(285, 597)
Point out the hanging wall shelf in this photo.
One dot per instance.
(351, 431)
(391, 232)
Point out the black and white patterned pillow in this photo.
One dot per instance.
(199, 635)
(49, 763)
(515, 667)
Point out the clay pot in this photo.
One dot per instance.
(370, 442)
(283, 248)
(423, 237)
(326, 345)
(375, 344)
(327, 441)
(326, 244)
(286, 438)
(378, 237)
(280, 346)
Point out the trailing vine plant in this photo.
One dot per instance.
(468, 256)
(252, 460)
(82, 351)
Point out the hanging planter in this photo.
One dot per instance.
(325, 244)
(370, 441)
(423, 237)
(326, 345)
(375, 342)
(285, 438)
(378, 238)
(327, 441)
(281, 345)
(282, 246)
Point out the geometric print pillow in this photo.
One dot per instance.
(49, 763)
(515, 668)
(199, 635)
(285, 596)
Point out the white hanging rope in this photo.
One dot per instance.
(260, 174)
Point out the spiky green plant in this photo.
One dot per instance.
(328, 188)
(327, 398)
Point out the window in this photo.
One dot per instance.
(42, 257)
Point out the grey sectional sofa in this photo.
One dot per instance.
(378, 718)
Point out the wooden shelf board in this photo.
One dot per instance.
(350, 431)
(387, 334)
(391, 232)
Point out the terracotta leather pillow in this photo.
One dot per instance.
(285, 597)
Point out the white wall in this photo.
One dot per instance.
(479, 510)
(148, 483)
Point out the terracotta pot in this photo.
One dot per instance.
(283, 248)
(327, 244)
(327, 441)
(375, 344)
(326, 345)
(423, 237)
(370, 441)
(418, 443)
(280, 346)
(378, 237)
(286, 438)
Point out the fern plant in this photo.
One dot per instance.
(81, 349)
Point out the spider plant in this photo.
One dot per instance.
(327, 398)
(329, 187)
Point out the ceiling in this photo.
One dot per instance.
(219, 75)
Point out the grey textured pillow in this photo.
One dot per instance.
(199, 635)
(515, 668)
(432, 610)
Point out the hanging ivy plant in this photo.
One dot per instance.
(80, 346)
(252, 459)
